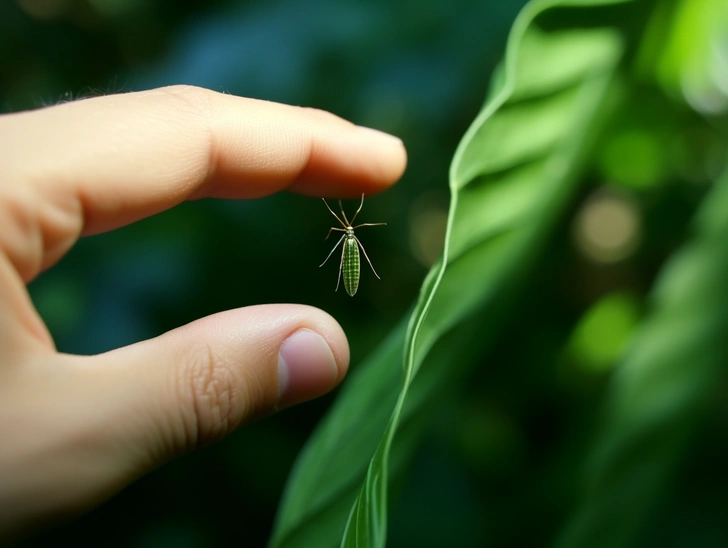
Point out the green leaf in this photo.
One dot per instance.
(661, 390)
(513, 173)
(329, 470)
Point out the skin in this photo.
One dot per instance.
(77, 429)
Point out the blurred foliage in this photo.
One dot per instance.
(563, 94)
(510, 178)
(537, 431)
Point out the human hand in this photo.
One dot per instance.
(76, 429)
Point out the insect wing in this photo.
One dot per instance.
(351, 266)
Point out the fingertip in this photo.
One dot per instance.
(391, 152)
(385, 139)
(346, 160)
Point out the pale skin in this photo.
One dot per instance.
(77, 429)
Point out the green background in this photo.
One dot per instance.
(505, 458)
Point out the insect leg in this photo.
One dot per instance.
(334, 214)
(343, 213)
(358, 210)
(333, 228)
(368, 224)
(366, 256)
(341, 265)
(334, 249)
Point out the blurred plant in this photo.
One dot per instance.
(593, 116)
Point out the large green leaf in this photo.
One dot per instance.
(661, 390)
(513, 173)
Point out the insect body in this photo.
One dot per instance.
(350, 263)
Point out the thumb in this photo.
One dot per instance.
(197, 383)
(85, 427)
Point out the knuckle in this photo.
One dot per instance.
(190, 98)
(195, 109)
(323, 116)
(210, 389)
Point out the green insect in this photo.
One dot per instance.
(350, 251)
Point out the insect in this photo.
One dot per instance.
(350, 251)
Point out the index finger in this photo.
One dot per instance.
(128, 156)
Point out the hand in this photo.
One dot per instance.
(76, 429)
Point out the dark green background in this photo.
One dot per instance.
(504, 460)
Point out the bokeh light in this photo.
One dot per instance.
(607, 228)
